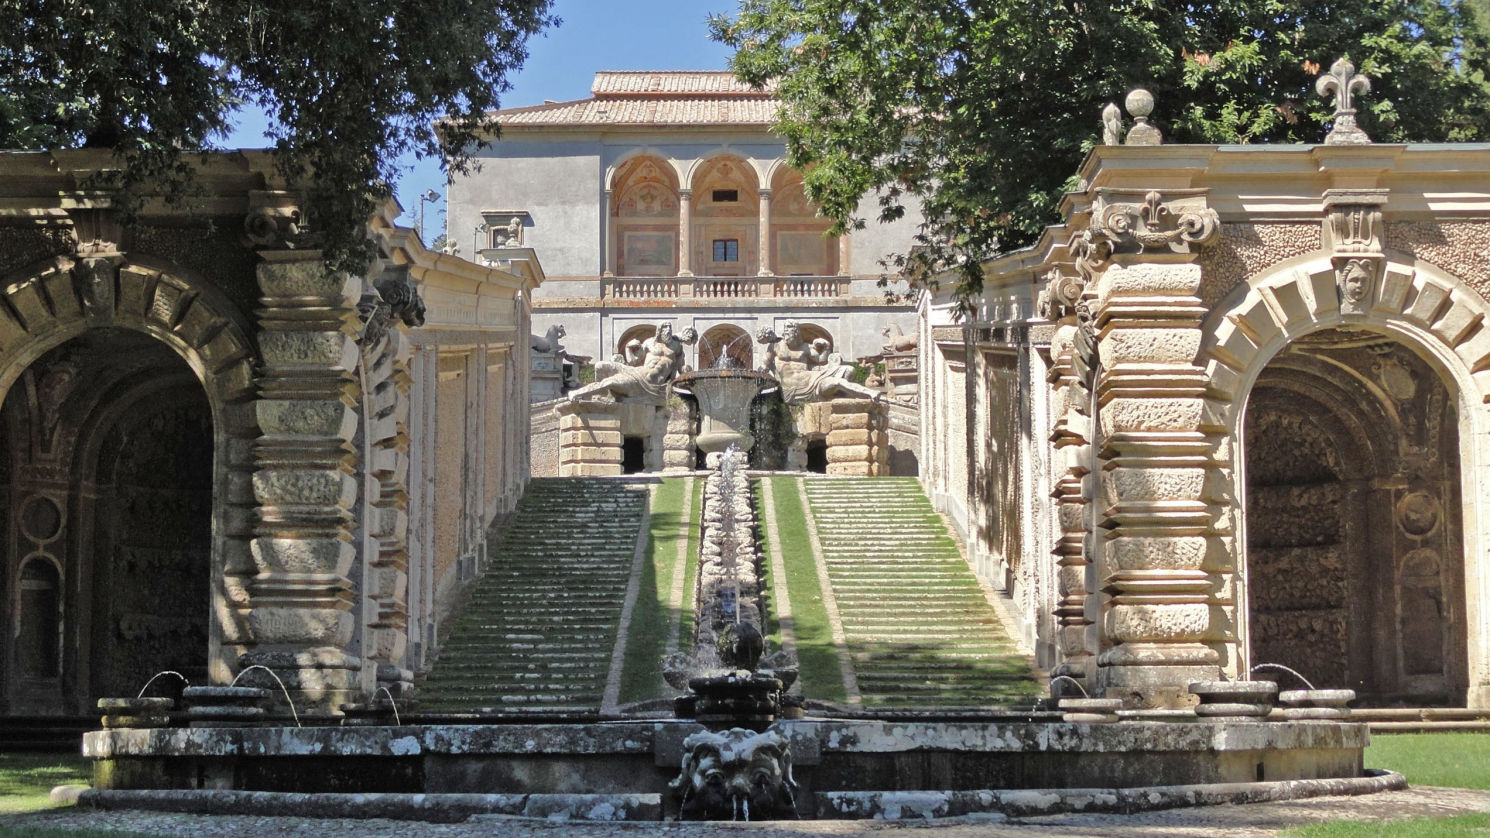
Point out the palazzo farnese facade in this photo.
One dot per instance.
(665, 197)
(1251, 386)
(219, 454)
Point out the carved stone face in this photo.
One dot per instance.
(1355, 279)
(789, 331)
(665, 332)
(736, 774)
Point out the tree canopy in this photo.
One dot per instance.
(982, 110)
(348, 87)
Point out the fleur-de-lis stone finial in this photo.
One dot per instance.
(1343, 82)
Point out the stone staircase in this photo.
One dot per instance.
(919, 629)
(537, 633)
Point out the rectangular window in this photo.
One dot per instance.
(726, 196)
(726, 250)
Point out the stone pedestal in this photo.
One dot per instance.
(300, 602)
(547, 376)
(903, 375)
(677, 442)
(589, 439)
(857, 443)
(1162, 624)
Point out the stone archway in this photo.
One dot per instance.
(1433, 317)
(102, 360)
(1353, 550)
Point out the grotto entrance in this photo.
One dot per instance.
(1354, 561)
(106, 493)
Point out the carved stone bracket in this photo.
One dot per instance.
(402, 295)
(1059, 295)
(391, 295)
(1352, 231)
(274, 222)
(1177, 225)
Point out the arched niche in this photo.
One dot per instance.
(38, 623)
(811, 332)
(727, 343)
(1438, 319)
(99, 353)
(637, 335)
(799, 244)
(726, 217)
(124, 418)
(1354, 555)
(644, 213)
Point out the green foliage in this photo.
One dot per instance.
(26, 780)
(348, 85)
(981, 110)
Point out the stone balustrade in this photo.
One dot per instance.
(725, 288)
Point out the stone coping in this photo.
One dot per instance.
(663, 740)
(899, 805)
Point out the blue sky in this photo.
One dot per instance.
(594, 35)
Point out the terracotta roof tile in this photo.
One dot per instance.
(655, 98)
(671, 83)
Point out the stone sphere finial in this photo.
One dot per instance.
(1140, 103)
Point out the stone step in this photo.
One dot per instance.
(909, 614)
(865, 598)
(516, 664)
(559, 628)
(515, 703)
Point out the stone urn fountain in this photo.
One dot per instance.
(724, 397)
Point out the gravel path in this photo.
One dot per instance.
(1249, 821)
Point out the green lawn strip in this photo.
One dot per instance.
(768, 581)
(817, 657)
(1457, 760)
(26, 780)
(690, 569)
(1461, 760)
(646, 639)
(1475, 824)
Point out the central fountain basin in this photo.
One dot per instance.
(841, 766)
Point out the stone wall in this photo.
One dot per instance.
(1263, 423)
(296, 504)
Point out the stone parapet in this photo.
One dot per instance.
(589, 439)
(857, 440)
